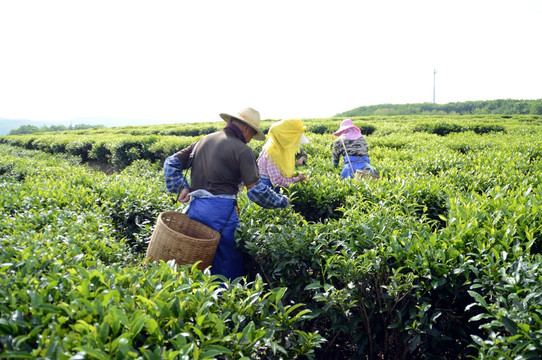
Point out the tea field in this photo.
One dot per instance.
(438, 259)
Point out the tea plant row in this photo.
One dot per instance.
(439, 258)
(71, 286)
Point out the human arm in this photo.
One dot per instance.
(336, 153)
(173, 172)
(275, 176)
(265, 197)
(301, 157)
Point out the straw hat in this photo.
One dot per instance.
(250, 117)
(345, 125)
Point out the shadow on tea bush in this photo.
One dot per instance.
(445, 128)
(321, 128)
(319, 200)
(485, 128)
(440, 128)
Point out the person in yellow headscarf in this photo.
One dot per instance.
(277, 158)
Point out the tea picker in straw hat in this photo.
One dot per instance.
(277, 159)
(352, 146)
(219, 163)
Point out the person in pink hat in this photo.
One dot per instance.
(352, 146)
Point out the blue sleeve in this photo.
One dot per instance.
(265, 197)
(173, 172)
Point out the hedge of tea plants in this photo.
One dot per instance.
(74, 284)
(438, 259)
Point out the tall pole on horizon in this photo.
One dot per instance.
(434, 79)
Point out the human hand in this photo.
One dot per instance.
(183, 197)
(302, 177)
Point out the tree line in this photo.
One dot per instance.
(503, 106)
(482, 107)
(32, 129)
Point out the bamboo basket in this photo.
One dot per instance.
(185, 240)
(363, 174)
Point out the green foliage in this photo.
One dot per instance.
(320, 200)
(502, 106)
(25, 129)
(31, 129)
(508, 309)
(445, 128)
(536, 107)
(439, 258)
(71, 285)
(392, 272)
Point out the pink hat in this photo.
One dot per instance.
(346, 124)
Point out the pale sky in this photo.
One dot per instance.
(187, 61)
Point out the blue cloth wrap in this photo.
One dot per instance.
(358, 163)
(214, 212)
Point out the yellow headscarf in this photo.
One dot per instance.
(283, 143)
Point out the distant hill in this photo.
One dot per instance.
(6, 125)
(505, 106)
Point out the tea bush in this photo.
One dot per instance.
(73, 286)
(444, 128)
(439, 258)
(393, 272)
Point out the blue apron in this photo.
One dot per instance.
(221, 215)
(358, 163)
